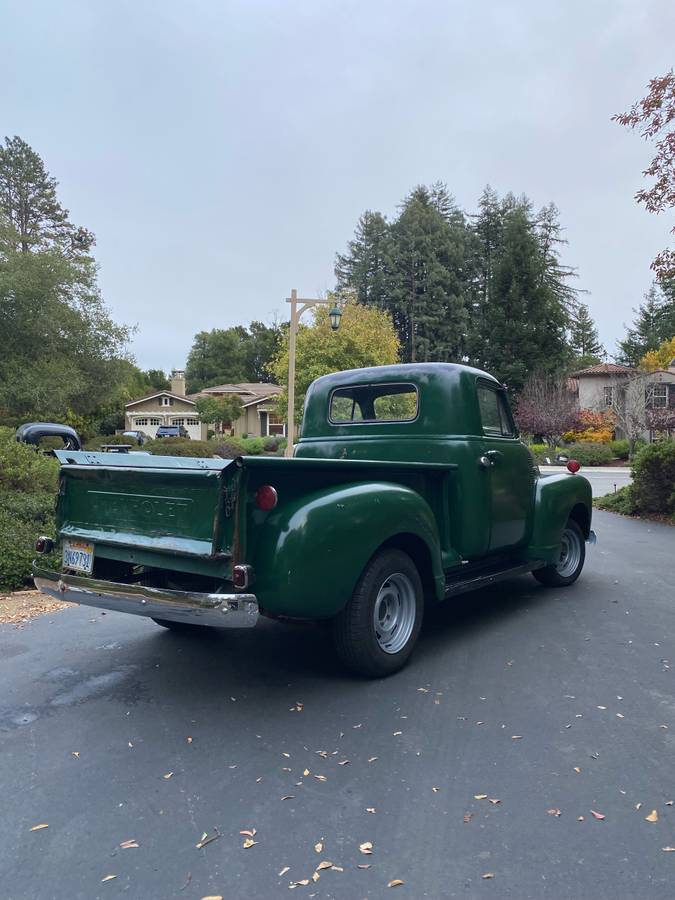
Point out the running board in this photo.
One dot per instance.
(461, 586)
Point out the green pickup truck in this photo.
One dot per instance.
(409, 485)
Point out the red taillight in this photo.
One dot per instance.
(573, 466)
(266, 497)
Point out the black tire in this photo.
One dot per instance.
(389, 581)
(180, 627)
(572, 558)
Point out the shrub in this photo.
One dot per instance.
(230, 448)
(97, 442)
(270, 444)
(589, 453)
(654, 478)
(180, 447)
(621, 501)
(23, 468)
(620, 449)
(253, 446)
(23, 516)
(542, 452)
(593, 427)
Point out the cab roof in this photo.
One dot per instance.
(446, 404)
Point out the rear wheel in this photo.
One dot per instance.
(571, 560)
(375, 633)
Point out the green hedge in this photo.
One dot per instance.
(621, 501)
(590, 454)
(654, 478)
(177, 446)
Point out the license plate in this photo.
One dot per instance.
(78, 555)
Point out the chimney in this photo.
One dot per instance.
(178, 382)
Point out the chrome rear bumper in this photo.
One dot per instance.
(220, 610)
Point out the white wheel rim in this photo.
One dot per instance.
(394, 613)
(570, 553)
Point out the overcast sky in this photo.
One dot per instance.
(222, 151)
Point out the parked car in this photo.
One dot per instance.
(409, 484)
(172, 431)
(139, 436)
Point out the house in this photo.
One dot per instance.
(600, 388)
(174, 407)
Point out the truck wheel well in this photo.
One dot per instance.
(418, 551)
(582, 517)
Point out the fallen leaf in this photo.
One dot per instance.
(287, 755)
(129, 744)
(668, 849)
(367, 865)
(494, 802)
(315, 877)
(652, 817)
(318, 846)
(39, 827)
(468, 817)
(205, 839)
(553, 812)
(258, 780)
(670, 802)
(602, 707)
(324, 864)
(248, 832)
(488, 875)
(189, 740)
(213, 897)
(366, 848)
(516, 737)
(306, 772)
(168, 775)
(597, 815)
(321, 778)
(344, 762)
(336, 869)
(75, 753)
(249, 842)
(480, 796)
(581, 818)
(288, 797)
(620, 716)
(395, 882)
(577, 770)
(370, 809)
(284, 870)
(372, 759)
(128, 845)
(423, 690)
(108, 878)
(304, 883)
(396, 733)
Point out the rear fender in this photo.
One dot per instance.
(558, 498)
(311, 552)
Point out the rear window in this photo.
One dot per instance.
(373, 403)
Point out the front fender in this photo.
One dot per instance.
(556, 498)
(311, 552)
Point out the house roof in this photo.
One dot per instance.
(160, 394)
(603, 369)
(261, 389)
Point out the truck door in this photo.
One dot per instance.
(506, 463)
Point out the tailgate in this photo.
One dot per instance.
(161, 503)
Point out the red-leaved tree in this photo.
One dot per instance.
(547, 408)
(654, 117)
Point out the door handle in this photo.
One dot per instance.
(494, 456)
(484, 461)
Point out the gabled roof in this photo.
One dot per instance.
(159, 394)
(603, 369)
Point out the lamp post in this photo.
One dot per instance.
(298, 307)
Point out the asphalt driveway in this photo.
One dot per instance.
(520, 755)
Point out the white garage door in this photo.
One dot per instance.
(191, 425)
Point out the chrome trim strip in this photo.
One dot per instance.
(220, 610)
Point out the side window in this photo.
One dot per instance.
(494, 413)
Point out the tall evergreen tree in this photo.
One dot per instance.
(654, 323)
(364, 268)
(584, 339)
(428, 284)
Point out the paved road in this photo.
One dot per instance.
(584, 677)
(603, 480)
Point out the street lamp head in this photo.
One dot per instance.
(335, 315)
